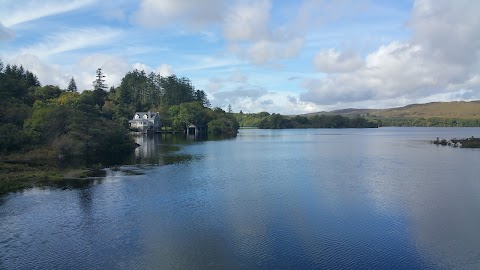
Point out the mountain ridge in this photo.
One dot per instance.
(451, 109)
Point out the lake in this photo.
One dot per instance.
(268, 199)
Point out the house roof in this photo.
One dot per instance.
(151, 115)
(148, 113)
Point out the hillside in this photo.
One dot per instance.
(454, 109)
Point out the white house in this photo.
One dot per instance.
(146, 121)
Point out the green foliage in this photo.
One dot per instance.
(15, 82)
(72, 86)
(177, 90)
(44, 93)
(11, 137)
(99, 83)
(92, 126)
(427, 122)
(277, 121)
(189, 113)
(223, 123)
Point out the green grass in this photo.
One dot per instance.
(17, 176)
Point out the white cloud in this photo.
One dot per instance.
(13, 13)
(429, 66)
(116, 14)
(333, 61)
(196, 14)
(217, 83)
(248, 21)
(5, 33)
(246, 25)
(252, 99)
(250, 35)
(113, 67)
(46, 74)
(72, 40)
(448, 30)
(142, 66)
(238, 77)
(165, 70)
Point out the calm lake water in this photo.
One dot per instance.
(270, 199)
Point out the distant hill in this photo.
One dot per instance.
(454, 109)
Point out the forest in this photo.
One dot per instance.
(265, 120)
(42, 125)
(93, 124)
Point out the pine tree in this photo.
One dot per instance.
(230, 108)
(99, 83)
(72, 86)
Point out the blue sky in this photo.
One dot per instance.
(258, 55)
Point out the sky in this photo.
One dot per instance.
(279, 56)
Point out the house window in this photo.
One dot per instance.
(137, 116)
(145, 116)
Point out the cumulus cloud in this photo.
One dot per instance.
(333, 61)
(436, 61)
(241, 93)
(247, 25)
(196, 14)
(250, 35)
(248, 21)
(113, 67)
(267, 102)
(447, 30)
(165, 70)
(218, 83)
(253, 98)
(47, 74)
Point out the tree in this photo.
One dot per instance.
(189, 113)
(99, 83)
(72, 86)
(201, 96)
(230, 108)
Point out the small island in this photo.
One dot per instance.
(471, 142)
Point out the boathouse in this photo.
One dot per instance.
(196, 129)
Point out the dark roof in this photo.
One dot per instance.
(141, 114)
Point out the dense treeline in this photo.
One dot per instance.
(93, 125)
(265, 120)
(176, 99)
(427, 122)
(55, 122)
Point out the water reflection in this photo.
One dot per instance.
(383, 199)
(161, 149)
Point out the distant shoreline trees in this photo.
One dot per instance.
(264, 120)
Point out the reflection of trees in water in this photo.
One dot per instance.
(160, 148)
(85, 199)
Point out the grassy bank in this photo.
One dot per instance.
(38, 167)
(14, 176)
